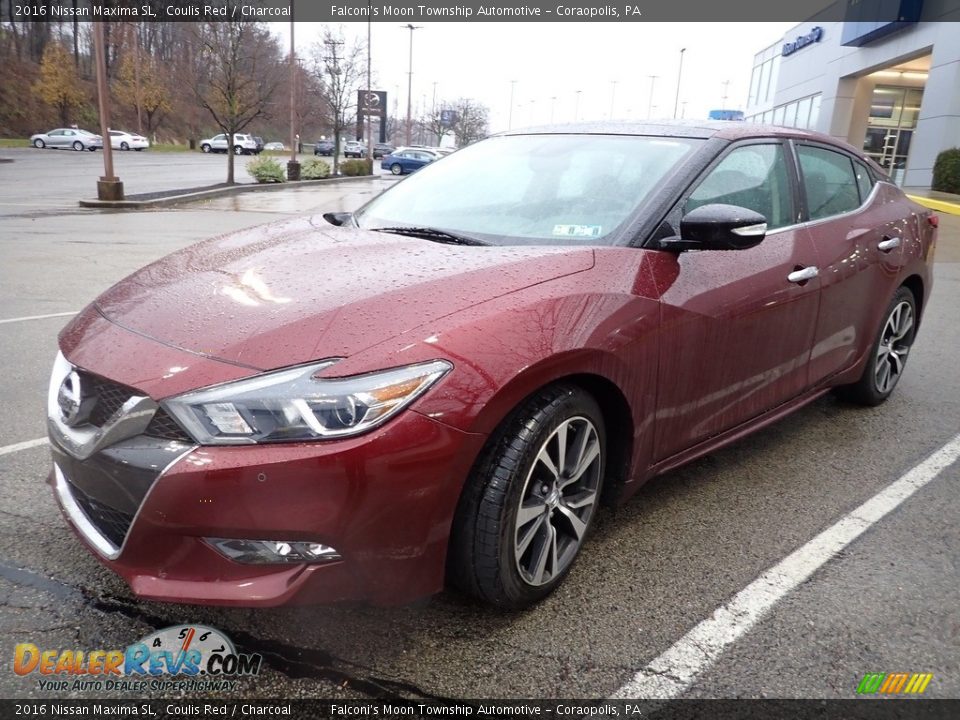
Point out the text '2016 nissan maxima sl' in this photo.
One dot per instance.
(444, 386)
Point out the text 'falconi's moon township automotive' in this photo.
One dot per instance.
(444, 387)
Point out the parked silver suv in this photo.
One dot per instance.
(242, 144)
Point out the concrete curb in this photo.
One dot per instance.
(190, 196)
(941, 205)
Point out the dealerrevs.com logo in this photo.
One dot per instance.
(185, 657)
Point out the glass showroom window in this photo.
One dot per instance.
(803, 113)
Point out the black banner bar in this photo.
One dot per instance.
(872, 709)
(344, 11)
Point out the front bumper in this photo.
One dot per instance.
(384, 500)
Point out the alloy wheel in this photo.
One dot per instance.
(894, 347)
(557, 501)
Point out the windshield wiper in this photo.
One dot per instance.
(427, 233)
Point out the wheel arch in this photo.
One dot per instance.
(914, 283)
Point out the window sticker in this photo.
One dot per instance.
(588, 231)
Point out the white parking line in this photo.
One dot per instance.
(38, 317)
(674, 671)
(25, 445)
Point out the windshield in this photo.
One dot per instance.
(532, 189)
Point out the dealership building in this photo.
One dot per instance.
(890, 88)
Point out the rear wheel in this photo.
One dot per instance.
(888, 355)
(396, 169)
(39, 144)
(77, 145)
(237, 150)
(530, 500)
(124, 146)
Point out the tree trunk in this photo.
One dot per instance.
(336, 151)
(230, 157)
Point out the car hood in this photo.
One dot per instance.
(300, 290)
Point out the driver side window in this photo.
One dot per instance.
(754, 177)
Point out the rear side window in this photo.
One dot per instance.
(864, 180)
(754, 177)
(829, 181)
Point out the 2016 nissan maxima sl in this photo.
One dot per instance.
(443, 386)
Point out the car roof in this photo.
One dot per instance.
(705, 129)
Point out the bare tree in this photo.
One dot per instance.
(236, 71)
(340, 69)
(471, 122)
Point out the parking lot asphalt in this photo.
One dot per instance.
(686, 544)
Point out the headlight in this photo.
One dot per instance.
(293, 405)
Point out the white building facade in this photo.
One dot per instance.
(894, 92)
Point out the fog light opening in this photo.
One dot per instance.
(258, 552)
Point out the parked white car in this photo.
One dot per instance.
(274, 146)
(121, 140)
(242, 144)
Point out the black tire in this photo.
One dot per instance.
(206, 148)
(237, 150)
(396, 169)
(77, 145)
(92, 148)
(890, 350)
(486, 559)
(124, 146)
(39, 144)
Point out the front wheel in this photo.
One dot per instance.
(888, 355)
(396, 169)
(205, 148)
(77, 145)
(530, 500)
(237, 150)
(39, 144)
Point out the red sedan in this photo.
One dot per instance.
(444, 386)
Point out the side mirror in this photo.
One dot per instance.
(718, 227)
(338, 218)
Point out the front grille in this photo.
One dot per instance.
(112, 524)
(110, 397)
(165, 427)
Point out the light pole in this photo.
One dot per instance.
(366, 99)
(576, 105)
(411, 27)
(513, 84)
(676, 100)
(653, 80)
(109, 186)
(293, 167)
(613, 95)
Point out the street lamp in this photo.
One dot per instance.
(411, 27)
(109, 186)
(653, 80)
(676, 100)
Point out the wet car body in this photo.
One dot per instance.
(682, 351)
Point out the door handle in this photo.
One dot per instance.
(803, 274)
(888, 244)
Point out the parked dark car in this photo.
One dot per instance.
(445, 385)
(381, 149)
(323, 147)
(407, 160)
(259, 142)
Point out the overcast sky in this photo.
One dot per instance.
(554, 60)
